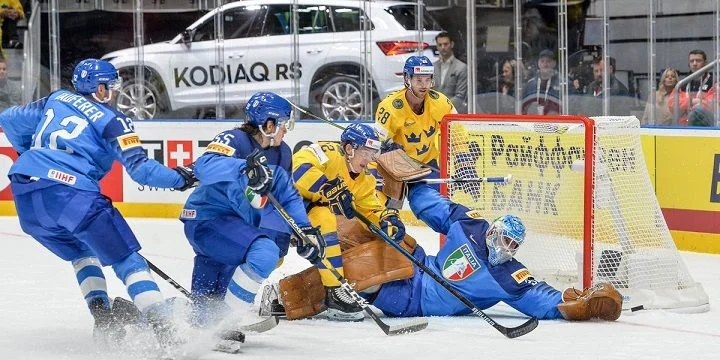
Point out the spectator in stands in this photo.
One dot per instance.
(451, 73)
(10, 92)
(596, 87)
(11, 11)
(696, 97)
(542, 92)
(507, 80)
(663, 96)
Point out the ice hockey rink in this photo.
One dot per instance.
(42, 316)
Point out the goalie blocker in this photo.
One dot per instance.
(368, 262)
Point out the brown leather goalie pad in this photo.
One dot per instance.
(303, 294)
(600, 301)
(367, 261)
(396, 168)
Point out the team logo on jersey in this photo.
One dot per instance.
(218, 148)
(128, 141)
(61, 177)
(460, 264)
(397, 103)
(521, 275)
(434, 94)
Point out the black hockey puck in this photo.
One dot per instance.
(637, 308)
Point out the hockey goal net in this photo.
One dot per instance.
(582, 189)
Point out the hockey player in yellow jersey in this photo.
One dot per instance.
(333, 180)
(411, 117)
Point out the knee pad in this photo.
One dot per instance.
(262, 257)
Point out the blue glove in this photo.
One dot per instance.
(388, 145)
(339, 197)
(258, 173)
(391, 224)
(315, 251)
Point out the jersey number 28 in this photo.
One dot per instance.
(80, 125)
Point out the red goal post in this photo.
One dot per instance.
(582, 189)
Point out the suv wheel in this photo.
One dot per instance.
(139, 99)
(341, 98)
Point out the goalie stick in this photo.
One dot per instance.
(512, 332)
(257, 327)
(410, 327)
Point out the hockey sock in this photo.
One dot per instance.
(141, 287)
(88, 272)
(261, 258)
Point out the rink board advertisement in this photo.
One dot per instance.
(683, 164)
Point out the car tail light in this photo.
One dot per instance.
(400, 47)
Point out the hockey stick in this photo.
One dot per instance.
(410, 327)
(513, 332)
(258, 327)
(498, 179)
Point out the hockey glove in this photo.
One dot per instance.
(339, 197)
(188, 174)
(258, 173)
(316, 250)
(390, 224)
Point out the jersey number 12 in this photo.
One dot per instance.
(80, 125)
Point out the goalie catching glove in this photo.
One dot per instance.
(600, 301)
(314, 251)
(339, 197)
(391, 225)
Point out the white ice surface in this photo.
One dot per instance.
(42, 316)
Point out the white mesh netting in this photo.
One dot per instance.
(630, 243)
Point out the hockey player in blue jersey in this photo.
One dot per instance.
(237, 240)
(477, 259)
(67, 142)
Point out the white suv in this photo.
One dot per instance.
(257, 48)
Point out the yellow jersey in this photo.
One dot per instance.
(317, 163)
(417, 134)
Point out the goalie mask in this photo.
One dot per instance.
(265, 106)
(503, 239)
(90, 73)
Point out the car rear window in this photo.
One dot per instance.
(405, 15)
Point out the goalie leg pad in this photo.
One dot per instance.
(374, 263)
(600, 301)
(303, 294)
(353, 233)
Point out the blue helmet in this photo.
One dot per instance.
(503, 238)
(360, 135)
(90, 73)
(263, 106)
(418, 65)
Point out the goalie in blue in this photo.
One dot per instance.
(477, 260)
(67, 142)
(238, 241)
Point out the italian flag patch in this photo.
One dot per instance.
(460, 264)
(256, 201)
